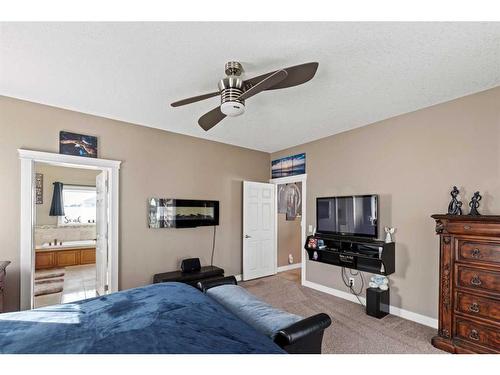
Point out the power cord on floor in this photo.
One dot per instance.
(345, 279)
(213, 247)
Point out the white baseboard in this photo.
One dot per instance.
(405, 314)
(289, 267)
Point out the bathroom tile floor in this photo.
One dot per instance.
(79, 283)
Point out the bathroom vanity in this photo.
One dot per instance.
(71, 253)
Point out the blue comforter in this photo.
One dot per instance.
(160, 318)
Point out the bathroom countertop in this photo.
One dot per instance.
(67, 245)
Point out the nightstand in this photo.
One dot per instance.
(191, 278)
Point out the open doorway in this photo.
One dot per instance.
(81, 233)
(290, 226)
(64, 234)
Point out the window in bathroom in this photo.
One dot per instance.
(79, 205)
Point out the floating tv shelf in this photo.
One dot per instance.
(362, 254)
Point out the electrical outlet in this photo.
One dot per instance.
(310, 229)
(351, 282)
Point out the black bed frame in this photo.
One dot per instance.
(303, 337)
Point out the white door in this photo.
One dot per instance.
(259, 234)
(101, 251)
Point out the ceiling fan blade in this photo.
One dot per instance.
(194, 99)
(210, 119)
(265, 84)
(297, 75)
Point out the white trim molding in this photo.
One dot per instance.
(27, 255)
(397, 311)
(68, 160)
(289, 267)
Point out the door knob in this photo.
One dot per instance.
(247, 236)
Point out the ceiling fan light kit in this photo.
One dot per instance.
(230, 89)
(234, 91)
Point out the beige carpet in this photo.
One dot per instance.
(352, 331)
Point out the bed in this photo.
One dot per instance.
(160, 318)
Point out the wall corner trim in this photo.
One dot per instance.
(397, 311)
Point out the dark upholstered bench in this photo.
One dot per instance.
(291, 332)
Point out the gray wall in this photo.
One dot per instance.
(155, 163)
(412, 161)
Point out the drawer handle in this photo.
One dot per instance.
(466, 227)
(474, 335)
(476, 253)
(474, 308)
(476, 280)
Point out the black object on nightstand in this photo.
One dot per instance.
(377, 302)
(203, 274)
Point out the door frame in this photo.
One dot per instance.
(287, 180)
(27, 254)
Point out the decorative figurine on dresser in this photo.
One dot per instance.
(3, 266)
(474, 204)
(455, 206)
(469, 290)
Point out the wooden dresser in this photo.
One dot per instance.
(469, 290)
(3, 266)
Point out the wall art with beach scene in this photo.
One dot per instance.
(288, 166)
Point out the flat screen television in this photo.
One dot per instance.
(354, 215)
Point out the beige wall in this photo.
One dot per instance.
(412, 161)
(155, 163)
(68, 176)
(289, 240)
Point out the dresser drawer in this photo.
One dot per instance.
(473, 305)
(477, 333)
(477, 278)
(473, 228)
(479, 251)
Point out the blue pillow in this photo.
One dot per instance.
(260, 315)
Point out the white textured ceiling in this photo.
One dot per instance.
(132, 71)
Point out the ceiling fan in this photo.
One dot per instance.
(234, 91)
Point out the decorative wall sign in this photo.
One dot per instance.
(77, 144)
(38, 188)
(288, 166)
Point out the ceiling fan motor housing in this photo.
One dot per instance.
(230, 90)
